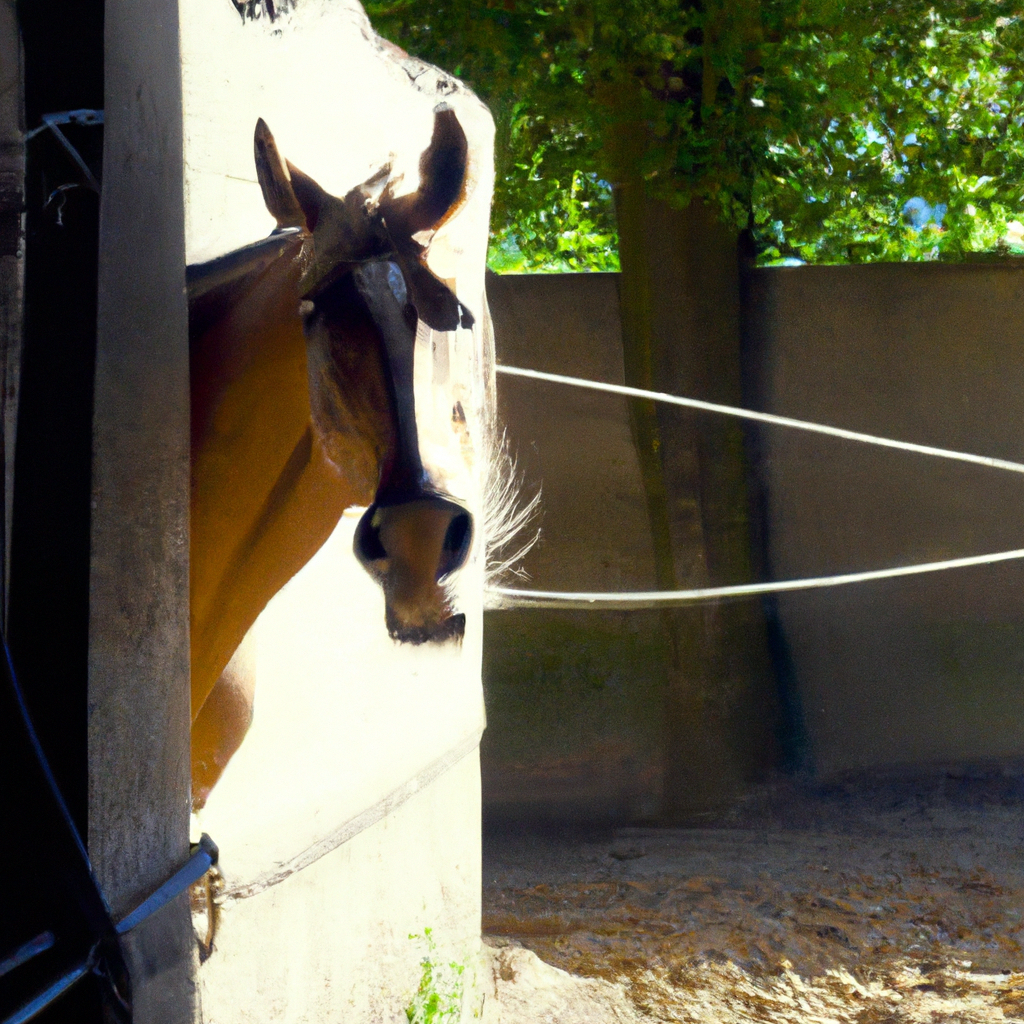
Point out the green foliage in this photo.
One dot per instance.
(813, 122)
(438, 999)
(880, 116)
(552, 229)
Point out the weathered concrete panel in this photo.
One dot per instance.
(574, 699)
(919, 669)
(138, 630)
(577, 444)
(343, 939)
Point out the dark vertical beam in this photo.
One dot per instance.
(12, 264)
(138, 627)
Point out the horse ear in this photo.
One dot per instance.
(443, 170)
(279, 192)
(441, 192)
(442, 188)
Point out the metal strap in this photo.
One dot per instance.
(204, 856)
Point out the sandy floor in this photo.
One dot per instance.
(881, 901)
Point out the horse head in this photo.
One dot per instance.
(366, 293)
(332, 367)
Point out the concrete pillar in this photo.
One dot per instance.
(138, 628)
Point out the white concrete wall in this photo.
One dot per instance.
(343, 939)
(350, 818)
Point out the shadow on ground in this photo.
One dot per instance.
(880, 899)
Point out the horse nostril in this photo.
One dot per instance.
(426, 539)
(367, 542)
(456, 544)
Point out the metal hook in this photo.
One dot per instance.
(60, 192)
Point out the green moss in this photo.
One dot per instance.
(438, 999)
(557, 683)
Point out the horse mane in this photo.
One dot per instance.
(508, 517)
(214, 286)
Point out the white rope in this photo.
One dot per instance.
(765, 417)
(507, 597)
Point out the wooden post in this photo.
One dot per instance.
(138, 628)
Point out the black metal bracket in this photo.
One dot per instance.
(52, 122)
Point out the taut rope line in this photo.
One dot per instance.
(507, 597)
(504, 597)
(765, 417)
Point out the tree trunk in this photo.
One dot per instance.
(680, 305)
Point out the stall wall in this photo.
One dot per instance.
(574, 699)
(918, 670)
(927, 668)
(138, 699)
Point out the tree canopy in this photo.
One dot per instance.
(836, 132)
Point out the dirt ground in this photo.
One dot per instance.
(877, 900)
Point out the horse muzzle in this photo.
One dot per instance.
(412, 548)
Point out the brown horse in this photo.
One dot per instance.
(303, 404)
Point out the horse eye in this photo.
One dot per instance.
(396, 282)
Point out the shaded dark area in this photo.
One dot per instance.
(793, 745)
(48, 610)
(56, 926)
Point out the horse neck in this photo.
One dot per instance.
(238, 329)
(254, 465)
